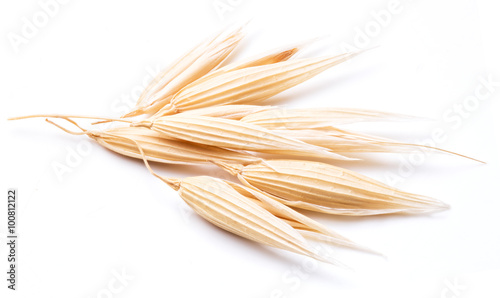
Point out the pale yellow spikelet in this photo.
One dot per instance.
(235, 112)
(326, 188)
(341, 141)
(158, 147)
(306, 118)
(271, 57)
(220, 204)
(162, 149)
(249, 85)
(232, 134)
(344, 141)
(190, 67)
(168, 81)
(306, 226)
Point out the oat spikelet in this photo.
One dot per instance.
(338, 140)
(159, 148)
(235, 112)
(175, 77)
(344, 141)
(274, 56)
(249, 85)
(199, 61)
(325, 188)
(232, 134)
(309, 118)
(220, 204)
(306, 226)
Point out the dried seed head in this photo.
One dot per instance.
(343, 141)
(340, 140)
(219, 203)
(312, 118)
(235, 112)
(195, 64)
(232, 134)
(274, 56)
(249, 85)
(325, 188)
(159, 148)
(306, 226)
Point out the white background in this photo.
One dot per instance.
(108, 215)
